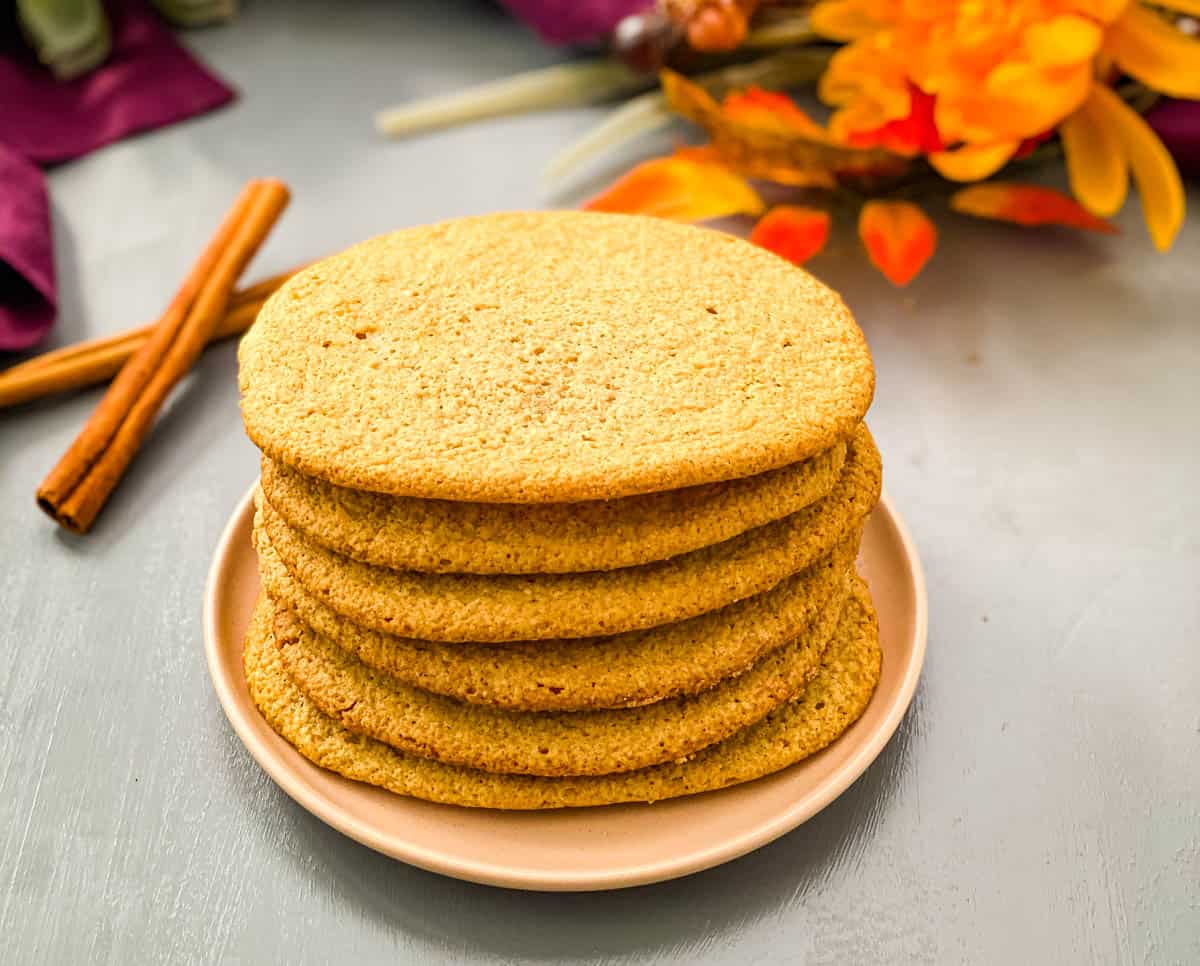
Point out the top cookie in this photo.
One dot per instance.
(550, 357)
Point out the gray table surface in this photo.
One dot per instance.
(1036, 410)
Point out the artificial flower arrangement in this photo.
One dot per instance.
(927, 98)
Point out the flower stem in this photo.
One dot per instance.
(564, 85)
(781, 33)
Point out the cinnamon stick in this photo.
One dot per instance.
(256, 293)
(79, 485)
(98, 360)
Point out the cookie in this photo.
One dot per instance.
(831, 702)
(465, 607)
(542, 743)
(593, 672)
(445, 536)
(546, 357)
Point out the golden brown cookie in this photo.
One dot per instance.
(466, 607)
(447, 536)
(551, 357)
(593, 672)
(833, 700)
(542, 743)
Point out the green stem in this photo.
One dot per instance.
(787, 68)
(785, 33)
(1048, 151)
(640, 115)
(564, 85)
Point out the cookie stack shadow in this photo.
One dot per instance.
(633, 641)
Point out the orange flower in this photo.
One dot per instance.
(794, 232)
(899, 238)
(970, 84)
(681, 188)
(764, 134)
(769, 109)
(1105, 142)
(1027, 204)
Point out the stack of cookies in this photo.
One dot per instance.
(559, 509)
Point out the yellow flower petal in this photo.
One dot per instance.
(1153, 169)
(1153, 51)
(973, 162)
(841, 20)
(680, 189)
(1106, 11)
(1020, 99)
(860, 116)
(1095, 163)
(1063, 40)
(857, 73)
(1182, 6)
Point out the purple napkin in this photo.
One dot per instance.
(1178, 124)
(148, 81)
(27, 303)
(573, 21)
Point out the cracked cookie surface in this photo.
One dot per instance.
(550, 357)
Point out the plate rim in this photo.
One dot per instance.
(297, 788)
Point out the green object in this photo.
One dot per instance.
(637, 116)
(564, 85)
(197, 13)
(785, 30)
(69, 36)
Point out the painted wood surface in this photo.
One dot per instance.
(1037, 413)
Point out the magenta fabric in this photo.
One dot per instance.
(574, 21)
(1178, 124)
(148, 81)
(27, 301)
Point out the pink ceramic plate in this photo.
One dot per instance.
(585, 848)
